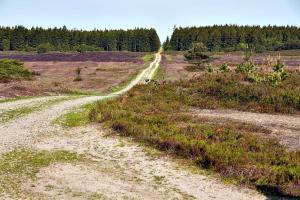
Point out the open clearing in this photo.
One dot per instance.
(100, 73)
(174, 66)
(22, 130)
(115, 167)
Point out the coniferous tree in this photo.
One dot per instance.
(233, 37)
(167, 45)
(63, 39)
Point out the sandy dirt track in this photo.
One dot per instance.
(122, 169)
(22, 130)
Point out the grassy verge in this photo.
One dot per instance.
(155, 114)
(158, 75)
(19, 112)
(23, 164)
(148, 57)
(80, 117)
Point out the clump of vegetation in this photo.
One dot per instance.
(247, 66)
(279, 74)
(13, 70)
(155, 114)
(77, 72)
(167, 45)
(254, 74)
(76, 118)
(224, 68)
(44, 48)
(197, 55)
(210, 69)
(4, 45)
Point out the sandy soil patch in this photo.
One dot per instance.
(129, 166)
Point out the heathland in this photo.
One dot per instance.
(214, 116)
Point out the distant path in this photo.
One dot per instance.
(285, 128)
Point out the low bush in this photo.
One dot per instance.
(13, 70)
(77, 72)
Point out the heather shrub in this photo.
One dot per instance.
(77, 72)
(13, 70)
(156, 115)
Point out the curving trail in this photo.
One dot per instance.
(120, 167)
(118, 170)
(11, 105)
(23, 130)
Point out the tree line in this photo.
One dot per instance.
(235, 38)
(20, 38)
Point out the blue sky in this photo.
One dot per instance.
(159, 14)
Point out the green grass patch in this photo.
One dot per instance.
(80, 117)
(158, 75)
(23, 164)
(148, 57)
(13, 70)
(155, 114)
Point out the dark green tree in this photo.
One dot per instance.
(233, 37)
(198, 55)
(167, 45)
(63, 39)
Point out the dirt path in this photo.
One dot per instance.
(118, 168)
(24, 130)
(121, 169)
(283, 127)
(10, 105)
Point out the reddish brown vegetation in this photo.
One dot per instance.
(174, 66)
(77, 57)
(57, 77)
